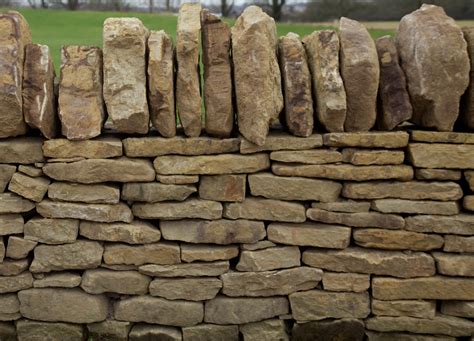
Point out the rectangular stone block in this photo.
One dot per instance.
(312, 157)
(9, 307)
(137, 232)
(339, 281)
(91, 194)
(58, 280)
(156, 253)
(372, 157)
(13, 267)
(420, 309)
(6, 173)
(441, 137)
(207, 253)
(439, 155)
(265, 209)
(278, 257)
(458, 308)
(154, 192)
(19, 248)
(11, 224)
(29, 188)
(197, 269)
(282, 141)
(397, 240)
(454, 265)
(99, 281)
(437, 174)
(191, 209)
(390, 140)
(190, 289)
(12, 203)
(51, 231)
(344, 206)
(212, 332)
(23, 150)
(223, 187)
(16, 283)
(415, 206)
(103, 147)
(462, 224)
(454, 243)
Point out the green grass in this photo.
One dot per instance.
(56, 28)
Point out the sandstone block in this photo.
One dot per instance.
(36, 330)
(190, 289)
(19, 248)
(51, 231)
(208, 253)
(98, 148)
(136, 232)
(109, 330)
(454, 243)
(157, 253)
(125, 74)
(388, 140)
(339, 281)
(191, 208)
(415, 206)
(278, 257)
(92, 194)
(265, 209)
(469, 176)
(154, 192)
(276, 141)
(374, 336)
(58, 280)
(458, 308)
(372, 157)
(23, 150)
(30, 188)
(453, 265)
(437, 174)
(346, 329)
(223, 187)
(267, 330)
(152, 332)
(99, 281)
(468, 202)
(315, 157)
(211, 332)
(441, 155)
(13, 267)
(457, 224)
(16, 283)
(423, 40)
(196, 269)
(397, 240)
(12, 203)
(177, 179)
(420, 309)
(6, 173)
(2, 250)
(344, 206)
(9, 307)
(441, 137)
(11, 224)
(262, 244)
(28, 170)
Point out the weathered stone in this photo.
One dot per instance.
(441, 324)
(314, 157)
(11, 223)
(215, 232)
(93, 212)
(310, 234)
(99, 170)
(19, 248)
(109, 330)
(81, 254)
(278, 257)
(13, 267)
(125, 74)
(191, 208)
(267, 330)
(469, 176)
(9, 307)
(367, 261)
(93, 194)
(190, 289)
(412, 190)
(343, 329)
(397, 240)
(388, 140)
(360, 75)
(339, 281)
(8, 331)
(208, 253)
(468, 202)
(358, 219)
(64, 305)
(270, 283)
(462, 224)
(195, 269)
(35, 330)
(81, 105)
(240, 310)
(254, 47)
(223, 187)
(155, 192)
(6, 173)
(415, 206)
(211, 332)
(458, 308)
(160, 72)
(265, 209)
(51, 231)
(345, 206)
(441, 137)
(374, 336)
(322, 48)
(262, 244)
(143, 332)
(27, 169)
(293, 188)
(99, 281)
(425, 39)
(2, 250)
(16, 283)
(441, 155)
(98, 148)
(23, 150)
(159, 310)
(282, 141)
(177, 179)
(437, 174)
(454, 265)
(421, 309)
(296, 85)
(372, 157)
(157, 253)
(39, 102)
(136, 232)
(467, 104)
(318, 305)
(58, 280)
(12, 203)
(30, 188)
(427, 288)
(393, 94)
(458, 244)
(345, 172)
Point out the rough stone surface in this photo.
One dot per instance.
(125, 74)
(98, 148)
(437, 174)
(207, 252)
(9, 307)
(211, 332)
(19, 248)
(421, 309)
(360, 72)
(458, 308)
(157, 253)
(454, 243)
(265, 209)
(58, 280)
(282, 141)
(160, 73)
(468, 202)
(343, 329)
(141, 332)
(372, 157)
(13, 267)
(177, 179)
(36, 330)
(136, 232)
(51, 231)
(345, 206)
(441, 155)
(322, 48)
(254, 47)
(11, 223)
(462, 224)
(191, 208)
(223, 187)
(16, 283)
(99, 281)
(154, 192)
(425, 39)
(441, 137)
(267, 330)
(314, 157)
(26, 169)
(23, 150)
(6, 173)
(388, 140)
(12, 203)
(91, 194)
(454, 265)
(415, 206)
(278, 257)
(467, 104)
(339, 281)
(30, 188)
(397, 240)
(8, 331)
(109, 330)
(262, 244)
(374, 336)
(296, 85)
(190, 289)
(197, 269)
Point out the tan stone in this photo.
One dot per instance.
(454, 243)
(223, 187)
(421, 309)
(254, 47)
(154, 192)
(360, 71)
(30, 188)
(265, 209)
(397, 139)
(160, 72)
(441, 155)
(13, 267)
(79, 255)
(157, 253)
(267, 330)
(12, 203)
(6, 173)
(296, 85)
(345, 329)
(415, 206)
(397, 240)
(437, 174)
(64, 305)
(310, 234)
(109, 330)
(9, 307)
(208, 253)
(468, 202)
(270, 283)
(11, 223)
(318, 305)
(374, 336)
(23, 150)
(93, 212)
(16, 282)
(372, 157)
(99, 281)
(39, 102)
(215, 232)
(276, 141)
(98, 148)
(469, 176)
(177, 179)
(19, 248)
(211, 332)
(467, 101)
(51, 231)
(339, 281)
(136, 232)
(28, 170)
(293, 188)
(2, 250)
(427, 288)
(454, 265)
(36, 330)
(159, 311)
(191, 208)
(462, 224)
(58, 280)
(425, 39)
(195, 269)
(441, 137)
(278, 257)
(240, 310)
(345, 206)
(458, 308)
(93, 194)
(314, 157)
(190, 289)
(95, 171)
(322, 48)
(80, 103)
(262, 244)
(412, 190)
(125, 74)
(142, 332)
(367, 261)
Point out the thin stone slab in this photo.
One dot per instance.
(440, 155)
(22, 150)
(177, 179)
(16, 283)
(345, 206)
(98, 148)
(386, 140)
(296, 85)
(262, 244)
(2, 250)
(360, 75)
(162, 253)
(190, 209)
(136, 232)
(372, 157)
(208, 252)
(434, 56)
(415, 206)
(441, 137)
(315, 157)
(438, 174)
(13, 267)
(265, 209)
(454, 265)
(278, 257)
(51, 231)
(211, 332)
(458, 308)
(355, 259)
(339, 281)
(322, 48)
(267, 330)
(462, 224)
(347, 329)
(195, 269)
(57, 280)
(160, 72)
(39, 100)
(453, 243)
(6, 173)
(109, 330)
(467, 101)
(32, 171)
(125, 90)
(99, 281)
(276, 141)
(19, 248)
(11, 224)
(421, 309)
(189, 289)
(36, 330)
(154, 192)
(12, 203)
(142, 332)
(393, 94)
(33, 189)
(469, 176)
(223, 187)
(91, 194)
(375, 336)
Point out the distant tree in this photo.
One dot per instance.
(277, 6)
(150, 6)
(226, 7)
